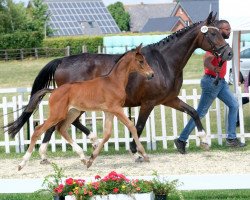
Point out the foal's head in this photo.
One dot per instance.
(139, 64)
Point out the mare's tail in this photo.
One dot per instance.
(43, 80)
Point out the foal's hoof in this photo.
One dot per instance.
(146, 159)
(89, 163)
(84, 161)
(19, 167)
(45, 162)
(204, 146)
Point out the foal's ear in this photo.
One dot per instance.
(138, 49)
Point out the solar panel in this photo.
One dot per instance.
(78, 17)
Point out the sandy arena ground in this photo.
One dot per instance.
(214, 162)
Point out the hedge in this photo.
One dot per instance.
(19, 40)
(75, 43)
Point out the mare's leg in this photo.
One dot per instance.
(144, 113)
(183, 107)
(39, 130)
(106, 135)
(130, 125)
(43, 147)
(63, 129)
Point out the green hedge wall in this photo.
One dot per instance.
(75, 43)
(20, 40)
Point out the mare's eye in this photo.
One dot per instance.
(141, 62)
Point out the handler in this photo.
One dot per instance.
(209, 93)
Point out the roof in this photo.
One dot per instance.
(140, 13)
(163, 24)
(80, 17)
(198, 10)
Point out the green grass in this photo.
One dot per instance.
(188, 195)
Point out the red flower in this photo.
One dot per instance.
(90, 193)
(58, 190)
(138, 189)
(97, 177)
(115, 190)
(70, 193)
(69, 181)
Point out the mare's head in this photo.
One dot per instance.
(138, 63)
(210, 39)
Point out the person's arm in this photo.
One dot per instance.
(207, 61)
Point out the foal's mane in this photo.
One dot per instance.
(174, 35)
(117, 62)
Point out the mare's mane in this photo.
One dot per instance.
(174, 35)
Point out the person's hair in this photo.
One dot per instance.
(219, 23)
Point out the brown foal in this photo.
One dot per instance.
(106, 93)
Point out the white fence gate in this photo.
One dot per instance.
(162, 127)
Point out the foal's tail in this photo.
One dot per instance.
(36, 99)
(43, 80)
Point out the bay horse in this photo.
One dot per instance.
(105, 93)
(168, 58)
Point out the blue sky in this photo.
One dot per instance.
(107, 2)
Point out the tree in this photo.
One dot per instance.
(12, 16)
(121, 17)
(38, 16)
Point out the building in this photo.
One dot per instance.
(80, 17)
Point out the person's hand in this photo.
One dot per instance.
(217, 69)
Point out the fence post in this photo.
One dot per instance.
(126, 48)
(21, 54)
(104, 50)
(84, 49)
(67, 51)
(36, 53)
(99, 49)
(6, 55)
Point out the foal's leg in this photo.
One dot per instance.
(39, 130)
(130, 125)
(144, 113)
(43, 148)
(183, 107)
(106, 135)
(63, 129)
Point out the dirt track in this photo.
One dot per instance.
(217, 162)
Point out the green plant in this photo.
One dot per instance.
(53, 182)
(161, 186)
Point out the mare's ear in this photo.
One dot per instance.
(214, 17)
(138, 49)
(209, 18)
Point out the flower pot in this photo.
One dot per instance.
(137, 196)
(160, 197)
(58, 197)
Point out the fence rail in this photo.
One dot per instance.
(162, 127)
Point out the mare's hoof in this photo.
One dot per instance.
(204, 146)
(45, 162)
(19, 167)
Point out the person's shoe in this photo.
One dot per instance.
(234, 143)
(237, 124)
(180, 145)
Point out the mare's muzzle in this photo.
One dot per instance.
(225, 52)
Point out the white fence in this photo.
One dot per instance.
(162, 127)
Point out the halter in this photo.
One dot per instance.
(215, 50)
